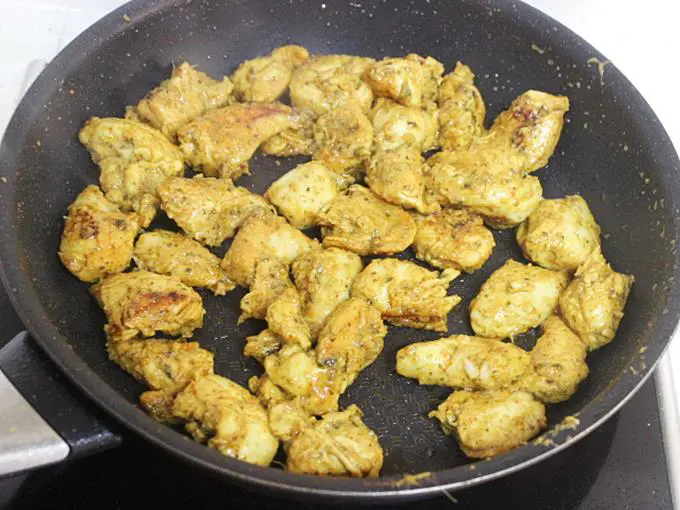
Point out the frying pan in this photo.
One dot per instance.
(613, 151)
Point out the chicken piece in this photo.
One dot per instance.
(559, 234)
(144, 303)
(209, 210)
(297, 140)
(461, 109)
(285, 319)
(264, 79)
(464, 362)
(269, 281)
(220, 143)
(287, 418)
(98, 239)
(302, 193)
(531, 127)
(592, 306)
(331, 81)
(407, 294)
(411, 80)
(178, 100)
(262, 345)
(490, 423)
(299, 375)
(134, 159)
(324, 279)
(453, 238)
(169, 253)
(515, 298)
(397, 126)
(558, 364)
(474, 180)
(339, 444)
(343, 138)
(351, 339)
(361, 222)
(270, 395)
(228, 418)
(396, 176)
(263, 236)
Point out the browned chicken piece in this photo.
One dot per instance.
(339, 444)
(269, 281)
(351, 339)
(209, 210)
(134, 159)
(399, 126)
(331, 81)
(264, 79)
(221, 142)
(559, 234)
(397, 177)
(262, 345)
(411, 80)
(301, 194)
(558, 363)
(144, 303)
(407, 294)
(592, 306)
(178, 100)
(286, 320)
(461, 109)
(464, 362)
(270, 395)
(297, 140)
(515, 298)
(489, 423)
(361, 222)
(475, 180)
(170, 253)
(324, 279)
(98, 239)
(228, 418)
(453, 238)
(263, 236)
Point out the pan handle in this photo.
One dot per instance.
(43, 418)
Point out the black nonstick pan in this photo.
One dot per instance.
(613, 151)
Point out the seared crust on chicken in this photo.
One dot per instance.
(343, 138)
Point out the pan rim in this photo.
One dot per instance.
(21, 294)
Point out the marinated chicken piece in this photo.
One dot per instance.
(269, 281)
(169, 253)
(396, 176)
(558, 364)
(285, 319)
(351, 339)
(397, 126)
(407, 294)
(361, 222)
(592, 306)
(559, 234)
(228, 418)
(331, 81)
(453, 238)
(461, 109)
(343, 138)
(209, 210)
(264, 79)
(287, 418)
(262, 345)
(302, 193)
(531, 127)
(263, 236)
(297, 140)
(515, 298)
(144, 303)
(324, 279)
(411, 80)
(473, 180)
(220, 143)
(178, 100)
(98, 239)
(270, 395)
(489, 423)
(339, 444)
(464, 362)
(134, 159)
